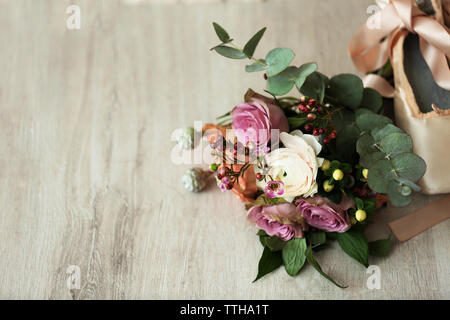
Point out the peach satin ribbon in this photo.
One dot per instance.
(371, 46)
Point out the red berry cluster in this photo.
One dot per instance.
(315, 112)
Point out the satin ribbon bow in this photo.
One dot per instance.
(371, 46)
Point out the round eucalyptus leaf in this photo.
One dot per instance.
(379, 175)
(314, 86)
(396, 142)
(347, 89)
(366, 122)
(278, 59)
(409, 166)
(379, 133)
(345, 143)
(395, 196)
(365, 145)
(371, 100)
(283, 82)
(303, 72)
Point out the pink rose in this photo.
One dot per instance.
(254, 120)
(281, 220)
(323, 214)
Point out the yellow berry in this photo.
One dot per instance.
(325, 165)
(327, 187)
(338, 175)
(360, 215)
(365, 173)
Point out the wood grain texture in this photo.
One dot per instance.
(85, 125)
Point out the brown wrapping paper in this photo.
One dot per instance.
(411, 225)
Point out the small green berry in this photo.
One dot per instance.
(338, 174)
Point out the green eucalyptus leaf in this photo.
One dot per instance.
(250, 46)
(371, 100)
(314, 86)
(277, 60)
(366, 122)
(365, 145)
(256, 66)
(408, 183)
(221, 33)
(312, 261)
(283, 82)
(355, 245)
(293, 255)
(347, 89)
(380, 133)
(303, 72)
(379, 174)
(396, 142)
(342, 118)
(230, 52)
(345, 143)
(367, 161)
(269, 262)
(395, 197)
(380, 248)
(361, 111)
(409, 166)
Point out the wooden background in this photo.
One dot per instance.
(86, 175)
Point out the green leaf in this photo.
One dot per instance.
(277, 60)
(359, 203)
(250, 46)
(409, 166)
(317, 238)
(303, 72)
(365, 146)
(366, 122)
(345, 143)
(395, 197)
(269, 262)
(380, 133)
(347, 89)
(296, 122)
(343, 118)
(230, 52)
(263, 200)
(396, 143)
(371, 100)
(380, 248)
(312, 261)
(256, 66)
(314, 86)
(379, 174)
(282, 83)
(273, 243)
(293, 254)
(408, 183)
(221, 33)
(355, 245)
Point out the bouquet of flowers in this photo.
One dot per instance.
(312, 168)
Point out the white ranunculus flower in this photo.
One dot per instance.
(295, 165)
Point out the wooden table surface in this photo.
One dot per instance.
(86, 176)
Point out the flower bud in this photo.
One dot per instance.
(194, 180)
